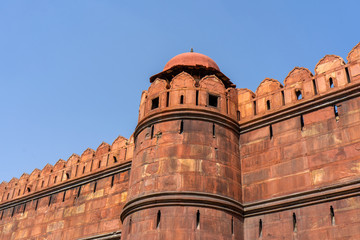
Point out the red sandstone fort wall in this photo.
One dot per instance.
(300, 172)
(76, 198)
(325, 150)
(312, 222)
(187, 155)
(280, 163)
(309, 150)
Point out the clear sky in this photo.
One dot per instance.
(72, 72)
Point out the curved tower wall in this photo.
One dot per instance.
(299, 153)
(185, 180)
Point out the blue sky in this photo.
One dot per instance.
(72, 72)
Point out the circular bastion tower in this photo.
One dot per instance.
(185, 179)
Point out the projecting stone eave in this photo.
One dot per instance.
(193, 70)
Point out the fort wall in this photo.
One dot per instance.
(73, 199)
(311, 148)
(186, 147)
(300, 156)
(331, 220)
(215, 161)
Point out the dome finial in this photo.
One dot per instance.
(191, 50)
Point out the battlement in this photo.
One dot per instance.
(300, 85)
(185, 91)
(207, 155)
(76, 166)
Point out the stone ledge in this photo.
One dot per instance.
(351, 91)
(195, 199)
(108, 236)
(208, 200)
(67, 185)
(187, 113)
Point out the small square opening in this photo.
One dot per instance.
(213, 100)
(155, 103)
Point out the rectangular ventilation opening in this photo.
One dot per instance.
(271, 131)
(238, 115)
(260, 228)
(332, 215)
(158, 219)
(283, 97)
(95, 185)
(167, 98)
(213, 130)
(254, 107)
(182, 99)
(50, 198)
(232, 225)
(155, 103)
(197, 97)
(294, 223)
(198, 219)
(63, 199)
(331, 83)
(268, 105)
(78, 192)
(227, 105)
(112, 180)
(347, 75)
(302, 122)
(181, 130)
(213, 100)
(152, 132)
(336, 112)
(314, 86)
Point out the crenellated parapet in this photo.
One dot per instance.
(76, 166)
(300, 85)
(185, 91)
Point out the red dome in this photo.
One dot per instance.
(191, 59)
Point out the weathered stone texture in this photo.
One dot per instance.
(210, 161)
(91, 213)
